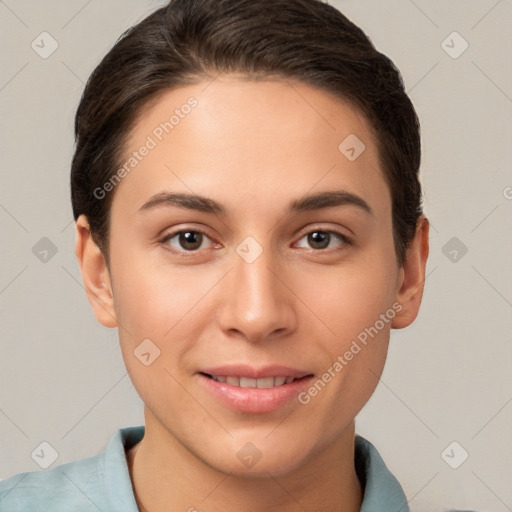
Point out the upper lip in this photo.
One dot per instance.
(243, 370)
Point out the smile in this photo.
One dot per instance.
(247, 382)
(254, 391)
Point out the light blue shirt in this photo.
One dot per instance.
(102, 482)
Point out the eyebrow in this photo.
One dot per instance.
(310, 202)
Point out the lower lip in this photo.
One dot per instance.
(254, 400)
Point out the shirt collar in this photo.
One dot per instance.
(382, 491)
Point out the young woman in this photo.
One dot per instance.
(248, 216)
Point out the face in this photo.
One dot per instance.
(255, 257)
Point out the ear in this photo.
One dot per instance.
(95, 274)
(412, 274)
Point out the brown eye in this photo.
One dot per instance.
(320, 240)
(185, 240)
(190, 240)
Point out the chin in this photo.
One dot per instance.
(257, 459)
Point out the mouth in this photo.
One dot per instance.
(247, 390)
(248, 382)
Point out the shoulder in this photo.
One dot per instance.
(382, 491)
(101, 482)
(67, 484)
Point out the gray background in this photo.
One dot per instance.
(448, 377)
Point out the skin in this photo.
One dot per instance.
(253, 147)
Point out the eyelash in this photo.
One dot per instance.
(341, 237)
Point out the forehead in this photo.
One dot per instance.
(235, 138)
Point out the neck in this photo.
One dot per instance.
(166, 476)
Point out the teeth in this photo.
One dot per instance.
(232, 381)
(267, 382)
(247, 382)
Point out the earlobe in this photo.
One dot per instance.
(410, 293)
(95, 274)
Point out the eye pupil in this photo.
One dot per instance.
(190, 240)
(319, 237)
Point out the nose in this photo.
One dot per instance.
(256, 301)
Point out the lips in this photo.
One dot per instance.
(254, 390)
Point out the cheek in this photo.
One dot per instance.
(154, 306)
(357, 307)
(356, 302)
(157, 301)
(352, 297)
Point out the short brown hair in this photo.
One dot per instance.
(190, 40)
